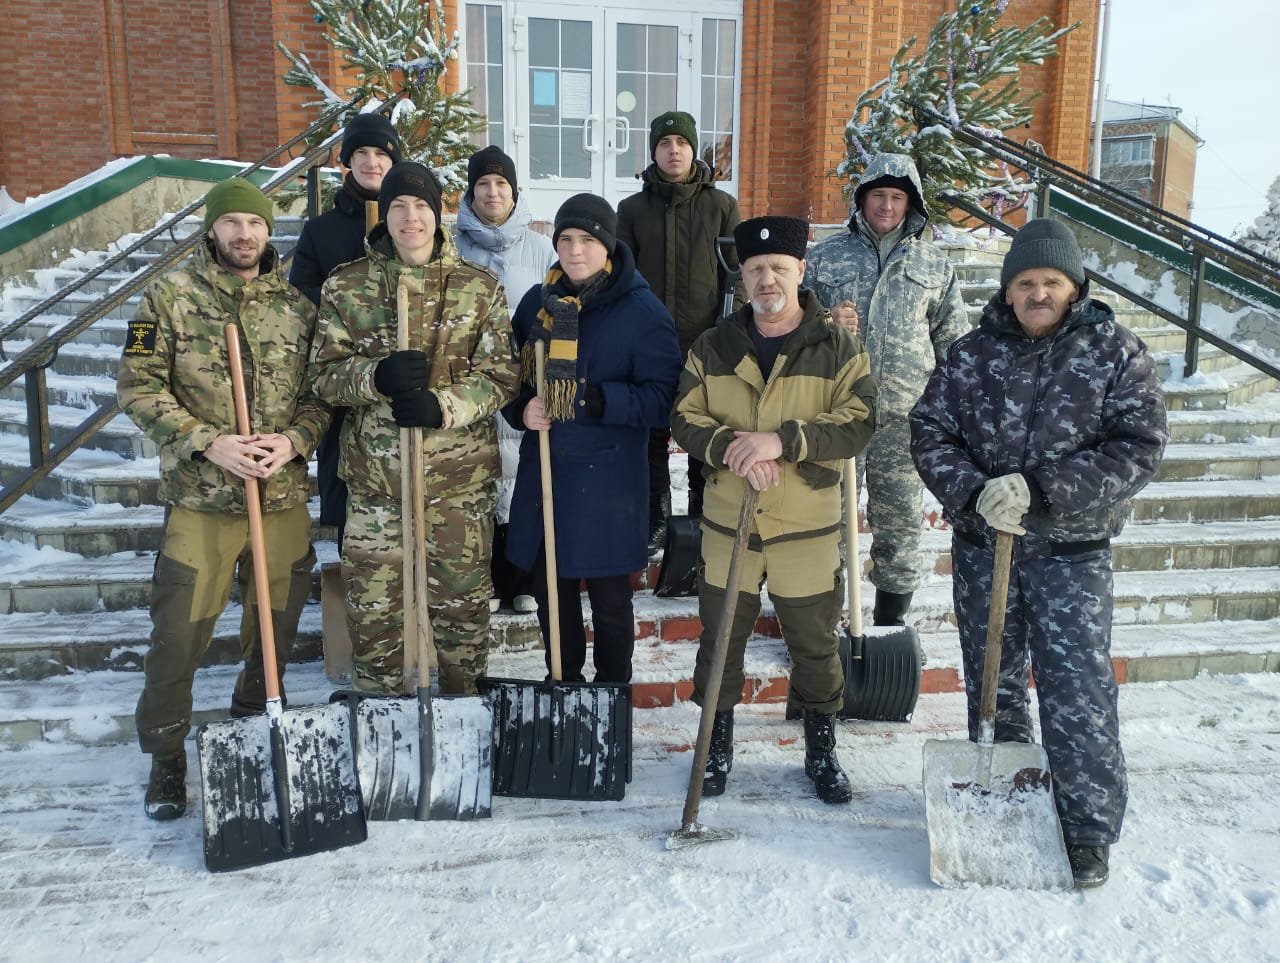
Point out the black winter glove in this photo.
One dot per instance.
(399, 372)
(592, 401)
(417, 409)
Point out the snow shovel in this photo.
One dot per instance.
(882, 666)
(691, 832)
(556, 739)
(283, 784)
(989, 807)
(418, 757)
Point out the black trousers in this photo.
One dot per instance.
(660, 478)
(611, 615)
(508, 580)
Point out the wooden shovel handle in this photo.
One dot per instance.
(370, 215)
(257, 541)
(853, 571)
(548, 520)
(410, 510)
(995, 633)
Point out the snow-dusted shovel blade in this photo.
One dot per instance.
(996, 829)
(560, 740)
(387, 740)
(695, 834)
(255, 769)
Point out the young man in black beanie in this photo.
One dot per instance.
(671, 226)
(457, 372)
(611, 373)
(494, 231)
(1043, 423)
(776, 398)
(370, 146)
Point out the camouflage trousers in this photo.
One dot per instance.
(201, 554)
(1058, 627)
(459, 539)
(808, 621)
(895, 500)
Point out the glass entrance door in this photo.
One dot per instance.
(586, 79)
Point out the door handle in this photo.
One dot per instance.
(587, 146)
(621, 144)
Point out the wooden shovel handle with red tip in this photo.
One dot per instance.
(257, 541)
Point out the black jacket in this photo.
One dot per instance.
(333, 238)
(672, 230)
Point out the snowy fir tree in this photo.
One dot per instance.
(967, 75)
(1263, 235)
(397, 49)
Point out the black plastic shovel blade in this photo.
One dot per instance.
(678, 574)
(247, 778)
(881, 674)
(560, 740)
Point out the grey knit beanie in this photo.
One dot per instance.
(1043, 243)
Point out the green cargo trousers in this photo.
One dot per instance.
(202, 552)
(794, 569)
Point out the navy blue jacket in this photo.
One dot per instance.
(1078, 412)
(599, 466)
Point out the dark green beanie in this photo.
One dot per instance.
(236, 195)
(1043, 243)
(673, 122)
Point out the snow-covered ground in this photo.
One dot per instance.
(85, 875)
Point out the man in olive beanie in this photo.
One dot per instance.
(173, 382)
(671, 226)
(239, 196)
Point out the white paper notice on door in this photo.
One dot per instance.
(575, 94)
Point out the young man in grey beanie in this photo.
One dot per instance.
(174, 383)
(671, 226)
(776, 398)
(1043, 423)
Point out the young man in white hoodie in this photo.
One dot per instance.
(493, 231)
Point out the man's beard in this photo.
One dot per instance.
(230, 257)
(772, 305)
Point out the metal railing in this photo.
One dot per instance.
(32, 362)
(1205, 249)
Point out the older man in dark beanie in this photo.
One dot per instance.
(173, 382)
(1043, 423)
(457, 318)
(610, 376)
(776, 398)
(672, 226)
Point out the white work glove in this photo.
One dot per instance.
(1003, 502)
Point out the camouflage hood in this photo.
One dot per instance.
(901, 167)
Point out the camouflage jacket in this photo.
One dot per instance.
(910, 307)
(458, 317)
(175, 381)
(819, 398)
(1079, 412)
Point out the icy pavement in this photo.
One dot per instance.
(85, 875)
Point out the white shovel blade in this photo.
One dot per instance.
(998, 832)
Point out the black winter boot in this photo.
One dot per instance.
(720, 758)
(820, 762)
(167, 788)
(1090, 865)
(891, 608)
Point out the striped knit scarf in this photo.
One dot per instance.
(557, 324)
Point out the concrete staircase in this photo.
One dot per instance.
(1197, 570)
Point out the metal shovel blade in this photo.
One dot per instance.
(991, 816)
(695, 834)
(388, 762)
(255, 770)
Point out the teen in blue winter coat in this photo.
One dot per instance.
(613, 364)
